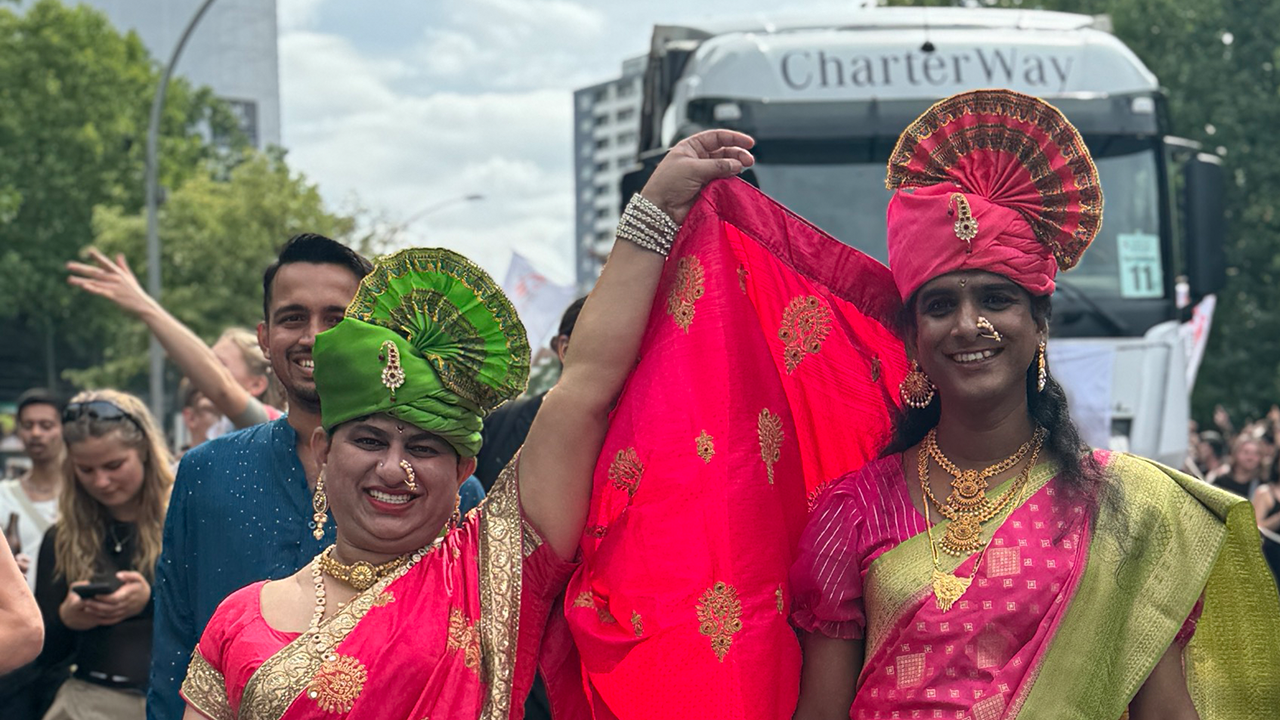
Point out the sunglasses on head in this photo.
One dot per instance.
(97, 410)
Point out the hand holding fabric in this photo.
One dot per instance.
(691, 164)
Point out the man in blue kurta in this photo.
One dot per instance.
(241, 505)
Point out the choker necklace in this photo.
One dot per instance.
(404, 564)
(360, 574)
(968, 506)
(947, 586)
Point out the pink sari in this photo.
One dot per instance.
(457, 636)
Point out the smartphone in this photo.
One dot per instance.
(100, 586)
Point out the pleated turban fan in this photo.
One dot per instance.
(429, 339)
(990, 180)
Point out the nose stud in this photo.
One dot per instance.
(989, 330)
(410, 478)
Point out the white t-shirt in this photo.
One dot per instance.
(33, 519)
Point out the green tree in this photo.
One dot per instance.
(76, 95)
(218, 236)
(1217, 61)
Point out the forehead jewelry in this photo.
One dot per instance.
(989, 330)
(410, 478)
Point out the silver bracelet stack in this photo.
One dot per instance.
(644, 225)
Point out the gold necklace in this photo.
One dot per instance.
(964, 534)
(969, 487)
(947, 586)
(317, 577)
(360, 574)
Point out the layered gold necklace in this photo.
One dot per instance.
(968, 507)
(360, 574)
(947, 586)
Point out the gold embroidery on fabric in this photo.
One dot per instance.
(706, 446)
(206, 690)
(742, 277)
(501, 558)
(384, 599)
(337, 683)
(585, 600)
(279, 681)
(689, 286)
(805, 325)
(637, 624)
(598, 531)
(771, 437)
(447, 317)
(464, 637)
(605, 616)
(625, 471)
(719, 617)
(875, 369)
(778, 593)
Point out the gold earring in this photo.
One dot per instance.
(915, 389)
(320, 504)
(1042, 376)
(410, 478)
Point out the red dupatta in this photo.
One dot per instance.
(768, 367)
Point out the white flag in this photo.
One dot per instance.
(539, 301)
(1195, 336)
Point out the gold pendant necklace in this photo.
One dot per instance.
(947, 586)
(405, 564)
(968, 507)
(359, 575)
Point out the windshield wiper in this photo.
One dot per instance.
(1117, 324)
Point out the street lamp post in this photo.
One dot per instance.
(153, 235)
(399, 227)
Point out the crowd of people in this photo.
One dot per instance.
(365, 519)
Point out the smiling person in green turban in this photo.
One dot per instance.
(415, 612)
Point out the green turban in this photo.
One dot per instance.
(430, 339)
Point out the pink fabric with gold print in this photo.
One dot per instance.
(974, 661)
(415, 654)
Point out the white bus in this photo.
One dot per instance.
(826, 96)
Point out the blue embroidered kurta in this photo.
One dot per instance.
(240, 512)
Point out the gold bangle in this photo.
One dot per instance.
(644, 225)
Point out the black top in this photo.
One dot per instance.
(504, 433)
(1228, 482)
(117, 655)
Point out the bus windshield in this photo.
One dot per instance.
(843, 193)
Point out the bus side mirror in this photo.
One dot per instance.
(1204, 203)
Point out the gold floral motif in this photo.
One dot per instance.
(637, 624)
(805, 325)
(605, 616)
(719, 617)
(706, 446)
(688, 287)
(205, 689)
(771, 437)
(384, 599)
(464, 636)
(585, 600)
(625, 471)
(337, 683)
(742, 277)
(778, 594)
(875, 369)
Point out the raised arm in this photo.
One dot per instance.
(114, 281)
(21, 630)
(560, 451)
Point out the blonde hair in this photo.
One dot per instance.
(83, 520)
(246, 341)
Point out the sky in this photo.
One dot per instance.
(402, 107)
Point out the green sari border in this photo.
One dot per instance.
(1180, 538)
(901, 577)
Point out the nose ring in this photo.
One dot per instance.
(410, 478)
(990, 331)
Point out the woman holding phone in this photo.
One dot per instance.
(96, 564)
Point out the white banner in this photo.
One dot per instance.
(539, 301)
(1195, 336)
